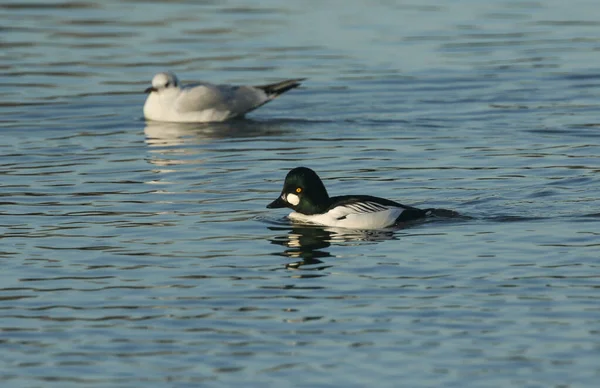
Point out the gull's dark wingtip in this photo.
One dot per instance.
(278, 88)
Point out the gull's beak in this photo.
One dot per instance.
(278, 203)
(150, 90)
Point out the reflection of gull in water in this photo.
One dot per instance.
(171, 141)
(173, 134)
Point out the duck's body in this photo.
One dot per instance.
(361, 212)
(305, 193)
(205, 102)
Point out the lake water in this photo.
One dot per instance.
(142, 255)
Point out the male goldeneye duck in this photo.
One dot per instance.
(304, 192)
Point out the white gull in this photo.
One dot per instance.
(205, 102)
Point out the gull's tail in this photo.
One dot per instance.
(274, 90)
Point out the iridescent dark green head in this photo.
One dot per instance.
(303, 191)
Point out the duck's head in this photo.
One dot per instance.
(303, 191)
(162, 81)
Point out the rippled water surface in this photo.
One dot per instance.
(141, 254)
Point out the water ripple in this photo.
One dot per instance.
(145, 249)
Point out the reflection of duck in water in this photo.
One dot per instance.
(307, 243)
(304, 244)
(203, 102)
(310, 238)
(304, 192)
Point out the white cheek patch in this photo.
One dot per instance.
(292, 199)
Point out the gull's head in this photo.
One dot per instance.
(162, 81)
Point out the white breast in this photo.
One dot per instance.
(163, 107)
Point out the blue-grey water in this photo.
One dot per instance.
(142, 255)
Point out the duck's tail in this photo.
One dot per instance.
(446, 213)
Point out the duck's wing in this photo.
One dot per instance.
(372, 211)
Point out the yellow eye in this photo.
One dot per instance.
(298, 189)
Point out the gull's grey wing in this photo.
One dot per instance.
(236, 100)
